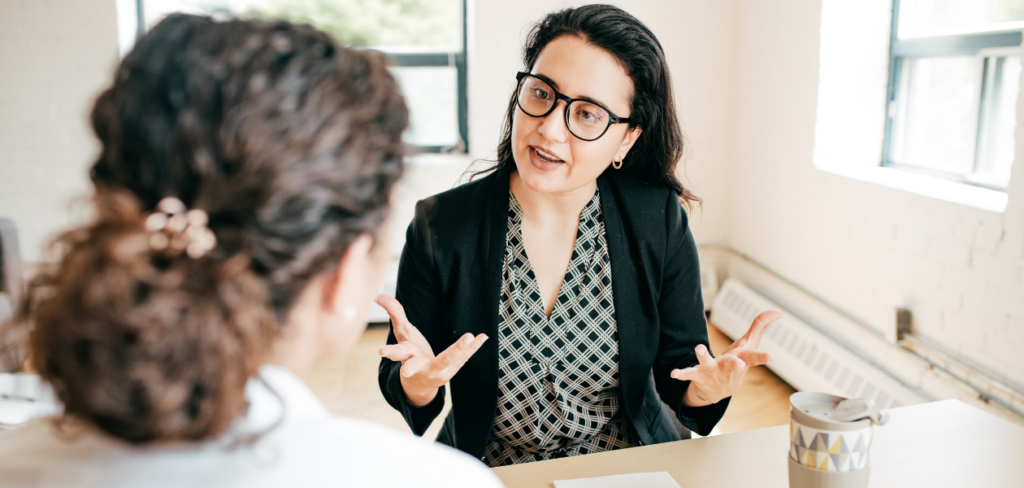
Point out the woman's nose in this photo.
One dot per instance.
(553, 126)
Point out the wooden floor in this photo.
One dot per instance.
(348, 386)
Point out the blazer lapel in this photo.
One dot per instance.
(628, 318)
(478, 379)
(498, 220)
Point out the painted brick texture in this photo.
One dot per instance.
(867, 248)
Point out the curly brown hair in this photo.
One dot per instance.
(289, 142)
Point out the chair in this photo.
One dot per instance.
(10, 272)
(10, 262)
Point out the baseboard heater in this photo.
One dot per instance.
(804, 357)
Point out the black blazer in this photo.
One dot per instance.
(449, 281)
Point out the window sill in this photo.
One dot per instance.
(925, 185)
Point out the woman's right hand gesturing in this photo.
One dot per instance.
(423, 373)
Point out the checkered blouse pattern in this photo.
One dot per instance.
(558, 386)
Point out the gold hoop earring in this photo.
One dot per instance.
(617, 164)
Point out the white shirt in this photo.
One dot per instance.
(309, 447)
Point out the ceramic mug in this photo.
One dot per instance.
(825, 452)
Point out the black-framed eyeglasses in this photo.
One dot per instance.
(586, 119)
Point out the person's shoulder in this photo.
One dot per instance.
(405, 446)
(465, 198)
(390, 458)
(464, 209)
(40, 448)
(638, 191)
(644, 203)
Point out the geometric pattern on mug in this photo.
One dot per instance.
(830, 450)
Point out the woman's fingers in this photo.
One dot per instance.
(414, 365)
(392, 306)
(742, 341)
(755, 358)
(403, 329)
(707, 362)
(396, 311)
(399, 352)
(733, 363)
(708, 366)
(720, 377)
(757, 328)
(685, 374)
(412, 358)
(452, 359)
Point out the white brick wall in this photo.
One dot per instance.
(55, 55)
(867, 248)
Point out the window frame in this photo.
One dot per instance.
(456, 59)
(409, 59)
(969, 44)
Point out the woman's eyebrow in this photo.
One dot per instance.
(547, 80)
(591, 100)
(554, 85)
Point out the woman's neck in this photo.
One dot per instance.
(299, 346)
(550, 208)
(295, 351)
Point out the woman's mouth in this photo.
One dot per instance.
(544, 160)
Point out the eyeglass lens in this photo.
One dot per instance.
(586, 120)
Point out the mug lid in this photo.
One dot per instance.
(818, 410)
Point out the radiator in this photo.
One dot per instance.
(708, 286)
(804, 357)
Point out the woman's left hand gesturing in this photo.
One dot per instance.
(715, 379)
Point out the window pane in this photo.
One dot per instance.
(431, 94)
(922, 18)
(998, 120)
(936, 116)
(156, 10)
(396, 24)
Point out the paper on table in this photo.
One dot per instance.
(633, 480)
(16, 413)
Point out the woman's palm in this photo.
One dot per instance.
(422, 372)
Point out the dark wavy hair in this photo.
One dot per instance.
(659, 148)
(289, 142)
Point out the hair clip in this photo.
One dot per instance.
(175, 229)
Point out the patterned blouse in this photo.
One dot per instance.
(558, 387)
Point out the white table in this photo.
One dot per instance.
(940, 444)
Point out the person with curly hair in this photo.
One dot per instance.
(238, 237)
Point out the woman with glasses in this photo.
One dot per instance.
(560, 294)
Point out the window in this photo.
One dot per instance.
(954, 74)
(425, 40)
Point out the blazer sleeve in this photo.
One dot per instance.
(418, 292)
(683, 325)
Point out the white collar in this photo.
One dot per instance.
(276, 395)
